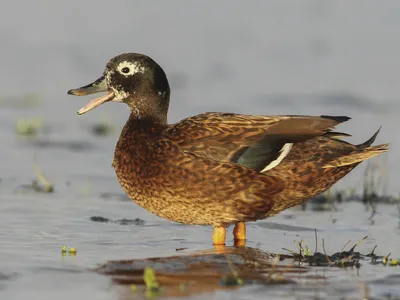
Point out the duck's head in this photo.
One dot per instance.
(134, 79)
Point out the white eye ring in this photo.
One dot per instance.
(127, 68)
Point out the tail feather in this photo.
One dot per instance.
(362, 152)
(369, 142)
(358, 157)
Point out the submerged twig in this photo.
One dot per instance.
(326, 255)
(358, 243)
(345, 245)
(46, 186)
(316, 241)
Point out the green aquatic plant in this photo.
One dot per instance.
(303, 251)
(149, 277)
(71, 251)
(41, 184)
(234, 279)
(133, 287)
(182, 287)
(350, 258)
(152, 286)
(29, 126)
(394, 262)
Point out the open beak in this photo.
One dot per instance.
(100, 85)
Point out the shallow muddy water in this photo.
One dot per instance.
(271, 57)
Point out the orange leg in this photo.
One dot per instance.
(239, 232)
(219, 235)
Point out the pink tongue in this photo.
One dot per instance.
(96, 102)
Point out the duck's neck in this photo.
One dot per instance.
(139, 131)
(142, 123)
(135, 141)
(149, 108)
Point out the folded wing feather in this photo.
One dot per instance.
(257, 142)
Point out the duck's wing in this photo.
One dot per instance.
(257, 142)
(226, 191)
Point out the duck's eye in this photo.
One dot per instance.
(125, 70)
(128, 68)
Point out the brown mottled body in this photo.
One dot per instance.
(187, 181)
(217, 168)
(184, 187)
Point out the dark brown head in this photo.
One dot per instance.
(134, 79)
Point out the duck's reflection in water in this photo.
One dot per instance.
(190, 273)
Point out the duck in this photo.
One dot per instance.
(217, 168)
